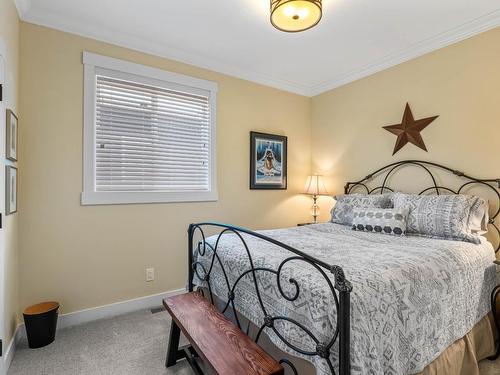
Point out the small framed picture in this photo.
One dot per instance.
(268, 161)
(10, 189)
(11, 136)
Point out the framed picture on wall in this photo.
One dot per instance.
(11, 136)
(10, 189)
(268, 161)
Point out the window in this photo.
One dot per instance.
(149, 135)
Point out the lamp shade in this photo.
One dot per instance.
(315, 185)
(295, 15)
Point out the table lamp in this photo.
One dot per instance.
(315, 186)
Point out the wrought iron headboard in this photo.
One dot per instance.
(387, 171)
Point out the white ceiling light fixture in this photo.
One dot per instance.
(295, 15)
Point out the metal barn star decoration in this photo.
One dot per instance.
(409, 130)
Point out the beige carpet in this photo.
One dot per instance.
(132, 344)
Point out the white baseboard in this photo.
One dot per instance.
(114, 309)
(11, 348)
(109, 311)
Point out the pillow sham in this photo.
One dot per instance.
(479, 216)
(380, 220)
(442, 216)
(342, 211)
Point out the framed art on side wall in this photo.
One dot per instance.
(268, 161)
(11, 136)
(10, 189)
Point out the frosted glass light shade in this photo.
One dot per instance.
(315, 185)
(295, 15)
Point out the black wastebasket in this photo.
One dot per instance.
(41, 322)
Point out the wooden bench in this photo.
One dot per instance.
(224, 348)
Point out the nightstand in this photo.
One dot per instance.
(494, 294)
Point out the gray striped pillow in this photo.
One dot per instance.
(343, 209)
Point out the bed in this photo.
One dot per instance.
(349, 301)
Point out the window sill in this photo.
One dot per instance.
(109, 198)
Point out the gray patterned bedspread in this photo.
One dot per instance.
(412, 296)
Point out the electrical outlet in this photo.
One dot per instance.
(150, 274)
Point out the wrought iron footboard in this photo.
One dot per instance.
(340, 289)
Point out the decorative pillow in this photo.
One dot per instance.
(479, 217)
(342, 211)
(444, 216)
(380, 220)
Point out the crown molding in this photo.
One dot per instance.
(457, 34)
(60, 22)
(23, 7)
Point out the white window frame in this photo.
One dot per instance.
(94, 63)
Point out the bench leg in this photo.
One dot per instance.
(173, 352)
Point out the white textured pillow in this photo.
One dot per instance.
(479, 216)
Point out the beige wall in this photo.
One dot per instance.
(9, 35)
(460, 83)
(90, 256)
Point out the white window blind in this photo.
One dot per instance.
(149, 135)
(149, 138)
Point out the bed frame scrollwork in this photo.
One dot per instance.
(430, 168)
(339, 287)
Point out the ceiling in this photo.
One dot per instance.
(355, 38)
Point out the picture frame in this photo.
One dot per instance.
(11, 136)
(268, 161)
(10, 189)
